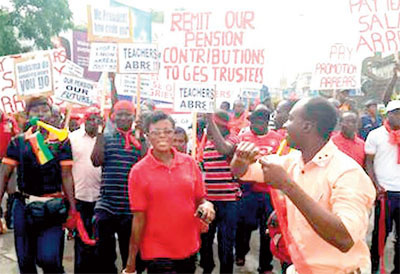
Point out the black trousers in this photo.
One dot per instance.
(165, 265)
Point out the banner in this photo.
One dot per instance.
(33, 76)
(190, 98)
(141, 21)
(81, 52)
(76, 90)
(103, 57)
(340, 70)
(212, 47)
(379, 25)
(247, 93)
(109, 25)
(126, 85)
(138, 58)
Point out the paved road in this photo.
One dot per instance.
(8, 260)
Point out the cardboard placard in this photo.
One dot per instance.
(34, 76)
(109, 24)
(103, 57)
(138, 58)
(248, 93)
(194, 98)
(340, 70)
(76, 90)
(73, 69)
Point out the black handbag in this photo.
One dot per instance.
(35, 214)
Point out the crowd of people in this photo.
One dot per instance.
(309, 171)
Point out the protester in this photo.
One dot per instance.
(370, 120)
(44, 170)
(225, 105)
(8, 129)
(87, 179)
(382, 150)
(180, 140)
(255, 208)
(346, 103)
(74, 122)
(282, 115)
(347, 140)
(116, 152)
(238, 119)
(222, 190)
(330, 195)
(166, 225)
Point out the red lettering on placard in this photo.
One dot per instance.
(9, 79)
(60, 55)
(6, 101)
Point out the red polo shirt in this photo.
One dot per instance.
(167, 195)
(8, 129)
(353, 148)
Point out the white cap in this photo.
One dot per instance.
(393, 105)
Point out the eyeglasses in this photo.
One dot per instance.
(158, 132)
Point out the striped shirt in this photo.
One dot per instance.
(220, 183)
(114, 196)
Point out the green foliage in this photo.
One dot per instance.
(8, 42)
(36, 20)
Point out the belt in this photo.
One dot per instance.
(28, 198)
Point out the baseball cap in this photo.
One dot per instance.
(370, 102)
(393, 105)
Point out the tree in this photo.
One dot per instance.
(8, 42)
(35, 20)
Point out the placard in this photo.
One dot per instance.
(34, 76)
(103, 57)
(192, 97)
(109, 25)
(76, 90)
(340, 70)
(138, 58)
(73, 69)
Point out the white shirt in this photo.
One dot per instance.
(387, 170)
(87, 178)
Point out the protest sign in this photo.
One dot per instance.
(213, 47)
(126, 85)
(109, 25)
(9, 101)
(76, 90)
(248, 93)
(33, 76)
(81, 52)
(73, 69)
(194, 98)
(138, 58)
(379, 25)
(341, 70)
(103, 57)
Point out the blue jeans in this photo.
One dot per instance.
(85, 257)
(254, 210)
(226, 222)
(392, 215)
(44, 247)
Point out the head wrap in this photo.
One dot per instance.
(123, 104)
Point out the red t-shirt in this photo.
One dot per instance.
(353, 148)
(268, 143)
(167, 195)
(8, 129)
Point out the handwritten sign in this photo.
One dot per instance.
(199, 98)
(138, 58)
(212, 46)
(340, 71)
(34, 76)
(247, 93)
(76, 90)
(73, 69)
(103, 57)
(109, 25)
(378, 23)
(150, 88)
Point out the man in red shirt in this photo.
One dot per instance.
(238, 119)
(166, 192)
(347, 140)
(254, 208)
